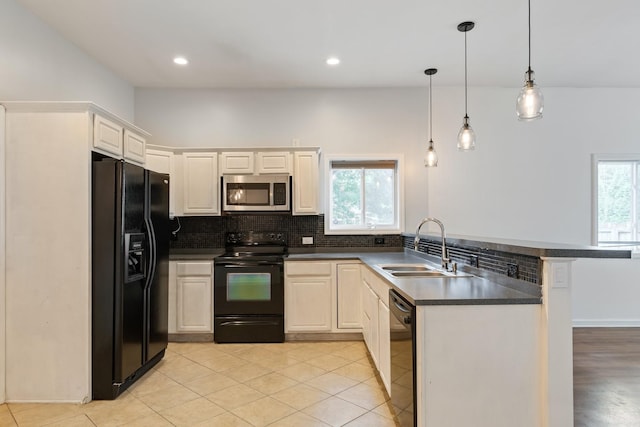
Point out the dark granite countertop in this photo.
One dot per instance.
(195, 254)
(481, 288)
(532, 248)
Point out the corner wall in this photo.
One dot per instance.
(40, 65)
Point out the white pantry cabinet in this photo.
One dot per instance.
(47, 182)
(190, 296)
(306, 191)
(112, 138)
(201, 184)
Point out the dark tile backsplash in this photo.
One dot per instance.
(208, 231)
(529, 268)
(201, 232)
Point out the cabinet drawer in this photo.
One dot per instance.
(308, 268)
(194, 268)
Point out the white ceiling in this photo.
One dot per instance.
(382, 43)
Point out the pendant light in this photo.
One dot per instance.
(431, 158)
(466, 136)
(530, 101)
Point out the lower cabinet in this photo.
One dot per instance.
(376, 323)
(190, 296)
(322, 296)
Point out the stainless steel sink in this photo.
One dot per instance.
(416, 271)
(416, 268)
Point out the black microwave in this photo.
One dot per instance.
(256, 193)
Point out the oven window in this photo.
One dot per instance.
(248, 287)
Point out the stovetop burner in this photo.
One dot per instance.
(254, 245)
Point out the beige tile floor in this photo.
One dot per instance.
(295, 384)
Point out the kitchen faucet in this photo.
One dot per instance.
(446, 262)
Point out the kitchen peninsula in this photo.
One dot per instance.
(491, 349)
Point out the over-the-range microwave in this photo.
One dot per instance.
(256, 193)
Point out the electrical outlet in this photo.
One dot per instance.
(307, 240)
(473, 261)
(512, 270)
(378, 240)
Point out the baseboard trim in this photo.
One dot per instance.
(191, 337)
(323, 336)
(606, 323)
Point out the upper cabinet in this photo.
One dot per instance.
(306, 192)
(113, 139)
(236, 162)
(273, 162)
(259, 162)
(200, 189)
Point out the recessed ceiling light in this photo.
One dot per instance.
(180, 60)
(333, 61)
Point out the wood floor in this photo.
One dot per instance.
(606, 377)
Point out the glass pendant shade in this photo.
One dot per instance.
(431, 158)
(530, 101)
(466, 136)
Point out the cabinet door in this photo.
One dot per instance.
(173, 304)
(305, 183)
(374, 348)
(200, 184)
(134, 146)
(163, 162)
(274, 162)
(194, 304)
(349, 296)
(236, 163)
(308, 304)
(384, 343)
(107, 136)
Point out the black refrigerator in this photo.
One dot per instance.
(130, 273)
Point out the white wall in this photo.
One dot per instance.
(39, 65)
(524, 181)
(340, 121)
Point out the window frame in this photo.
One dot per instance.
(398, 226)
(595, 161)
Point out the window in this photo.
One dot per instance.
(364, 196)
(616, 208)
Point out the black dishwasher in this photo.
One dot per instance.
(403, 359)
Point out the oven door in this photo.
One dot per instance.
(248, 288)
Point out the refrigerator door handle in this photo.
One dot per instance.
(151, 238)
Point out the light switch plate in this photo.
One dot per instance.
(307, 240)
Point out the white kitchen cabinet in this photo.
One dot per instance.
(190, 296)
(200, 189)
(375, 312)
(306, 193)
(237, 162)
(134, 147)
(108, 136)
(273, 162)
(162, 161)
(349, 301)
(112, 138)
(384, 343)
(308, 296)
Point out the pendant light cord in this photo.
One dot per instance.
(430, 112)
(529, 37)
(465, 74)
